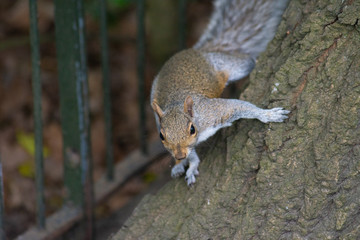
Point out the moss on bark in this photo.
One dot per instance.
(294, 180)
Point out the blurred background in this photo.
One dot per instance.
(16, 102)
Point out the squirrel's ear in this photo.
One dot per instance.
(157, 109)
(188, 106)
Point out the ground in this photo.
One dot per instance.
(16, 121)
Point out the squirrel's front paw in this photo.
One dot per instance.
(190, 176)
(177, 171)
(274, 115)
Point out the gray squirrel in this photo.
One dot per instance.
(185, 93)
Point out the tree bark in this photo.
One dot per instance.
(294, 180)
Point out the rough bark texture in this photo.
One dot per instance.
(294, 180)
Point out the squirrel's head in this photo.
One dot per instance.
(178, 132)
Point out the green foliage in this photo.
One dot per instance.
(120, 3)
(149, 177)
(114, 7)
(27, 142)
(27, 169)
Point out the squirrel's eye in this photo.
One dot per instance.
(162, 136)
(192, 130)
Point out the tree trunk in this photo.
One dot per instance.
(294, 180)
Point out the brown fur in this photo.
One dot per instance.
(186, 91)
(193, 76)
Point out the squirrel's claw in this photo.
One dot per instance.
(190, 180)
(177, 171)
(190, 176)
(274, 115)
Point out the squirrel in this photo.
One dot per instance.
(185, 93)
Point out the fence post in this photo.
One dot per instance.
(182, 24)
(36, 86)
(140, 45)
(74, 106)
(2, 209)
(106, 90)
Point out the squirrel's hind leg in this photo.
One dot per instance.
(235, 65)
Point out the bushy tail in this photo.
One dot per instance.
(242, 25)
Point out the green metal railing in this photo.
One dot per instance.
(106, 90)
(182, 23)
(140, 44)
(36, 87)
(74, 106)
(81, 193)
(2, 213)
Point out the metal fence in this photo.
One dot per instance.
(81, 193)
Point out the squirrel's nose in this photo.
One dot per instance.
(179, 152)
(180, 156)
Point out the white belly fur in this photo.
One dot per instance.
(210, 131)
